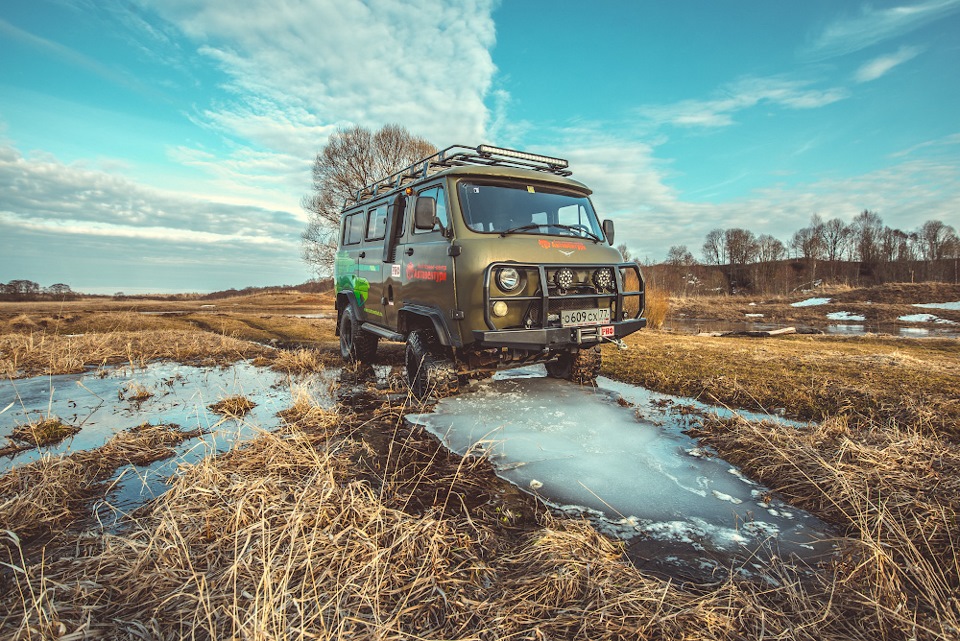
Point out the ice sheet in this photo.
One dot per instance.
(617, 454)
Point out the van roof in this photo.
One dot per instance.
(482, 160)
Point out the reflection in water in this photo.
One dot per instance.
(97, 403)
(617, 455)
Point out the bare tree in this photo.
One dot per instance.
(58, 289)
(625, 252)
(935, 240)
(866, 231)
(810, 242)
(835, 237)
(679, 256)
(351, 159)
(741, 246)
(770, 249)
(713, 248)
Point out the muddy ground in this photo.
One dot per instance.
(401, 538)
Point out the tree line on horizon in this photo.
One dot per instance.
(863, 252)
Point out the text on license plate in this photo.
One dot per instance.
(581, 317)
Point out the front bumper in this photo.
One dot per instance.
(553, 337)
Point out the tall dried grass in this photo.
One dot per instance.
(23, 355)
(657, 307)
(51, 493)
(896, 494)
(280, 539)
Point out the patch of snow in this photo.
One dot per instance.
(845, 316)
(954, 305)
(740, 476)
(726, 497)
(925, 318)
(810, 302)
(754, 315)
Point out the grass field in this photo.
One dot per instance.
(351, 523)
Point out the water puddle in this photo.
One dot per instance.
(101, 404)
(694, 326)
(617, 455)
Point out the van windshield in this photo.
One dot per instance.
(527, 209)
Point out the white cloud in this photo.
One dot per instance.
(42, 193)
(872, 26)
(739, 96)
(880, 66)
(423, 64)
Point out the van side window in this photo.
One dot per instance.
(377, 223)
(353, 228)
(437, 194)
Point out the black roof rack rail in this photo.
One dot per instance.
(459, 156)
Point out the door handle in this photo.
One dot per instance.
(363, 254)
(409, 251)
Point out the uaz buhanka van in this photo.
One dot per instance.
(479, 258)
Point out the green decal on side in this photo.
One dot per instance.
(361, 286)
(345, 277)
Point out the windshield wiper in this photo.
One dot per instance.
(513, 230)
(578, 229)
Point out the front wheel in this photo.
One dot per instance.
(429, 370)
(581, 367)
(356, 344)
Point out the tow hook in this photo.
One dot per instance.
(619, 343)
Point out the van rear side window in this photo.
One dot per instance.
(353, 228)
(377, 223)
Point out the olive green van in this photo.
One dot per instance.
(479, 258)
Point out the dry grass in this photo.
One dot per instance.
(870, 380)
(44, 432)
(235, 406)
(282, 538)
(657, 307)
(303, 361)
(51, 493)
(135, 392)
(895, 493)
(24, 355)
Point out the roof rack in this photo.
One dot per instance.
(459, 156)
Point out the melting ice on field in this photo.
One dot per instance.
(626, 465)
(97, 403)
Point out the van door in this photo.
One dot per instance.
(392, 267)
(426, 267)
(370, 263)
(346, 268)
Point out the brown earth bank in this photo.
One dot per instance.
(351, 523)
(881, 305)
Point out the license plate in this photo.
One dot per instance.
(582, 317)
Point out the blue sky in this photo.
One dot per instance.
(165, 145)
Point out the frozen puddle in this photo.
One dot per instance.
(627, 466)
(97, 403)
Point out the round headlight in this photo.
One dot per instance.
(500, 309)
(508, 279)
(603, 279)
(563, 278)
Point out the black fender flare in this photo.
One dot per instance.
(435, 317)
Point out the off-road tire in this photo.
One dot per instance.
(356, 344)
(429, 370)
(581, 367)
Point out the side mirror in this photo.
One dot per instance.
(608, 230)
(425, 213)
